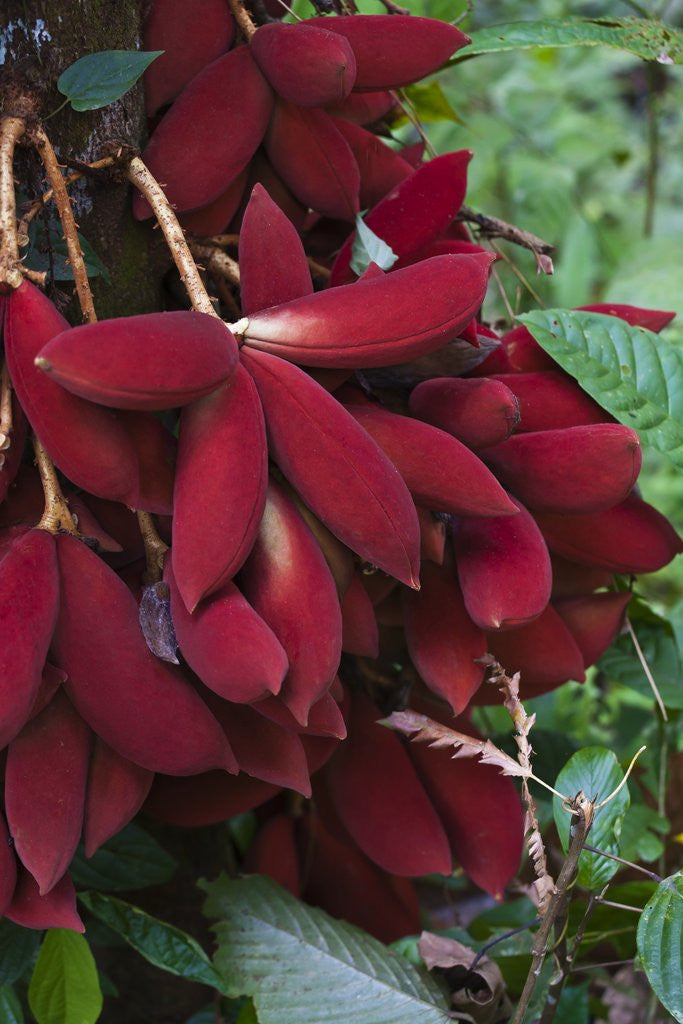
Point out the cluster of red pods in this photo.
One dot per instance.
(329, 526)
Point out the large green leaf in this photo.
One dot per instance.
(646, 38)
(660, 943)
(101, 78)
(595, 771)
(298, 964)
(18, 947)
(130, 860)
(162, 944)
(634, 374)
(64, 988)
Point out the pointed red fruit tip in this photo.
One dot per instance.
(42, 363)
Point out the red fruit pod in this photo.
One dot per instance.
(630, 538)
(359, 625)
(230, 94)
(305, 63)
(478, 411)
(220, 487)
(140, 706)
(523, 352)
(45, 779)
(652, 319)
(152, 361)
(205, 799)
(573, 580)
(29, 601)
(388, 319)
(227, 644)
(261, 171)
(594, 621)
(88, 525)
(56, 909)
(324, 719)
(12, 456)
(503, 568)
(365, 777)
(8, 867)
(365, 502)
(65, 424)
(285, 274)
(576, 470)
(443, 642)
(380, 167)
(393, 50)
(440, 472)
(189, 44)
(364, 108)
(52, 679)
(215, 217)
(156, 451)
(116, 791)
(288, 583)
(432, 536)
(273, 853)
(314, 160)
(550, 400)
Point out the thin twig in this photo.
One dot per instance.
(5, 409)
(11, 130)
(503, 294)
(605, 963)
(243, 18)
(620, 906)
(646, 669)
(502, 938)
(652, 173)
(221, 240)
(620, 860)
(36, 277)
(408, 109)
(155, 548)
(394, 8)
(519, 275)
(494, 227)
(216, 261)
(623, 781)
(56, 517)
(317, 269)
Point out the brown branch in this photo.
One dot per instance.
(317, 269)
(393, 8)
(11, 130)
(56, 517)
(221, 240)
(216, 261)
(36, 277)
(5, 410)
(242, 17)
(155, 548)
(493, 227)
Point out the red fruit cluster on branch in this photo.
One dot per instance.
(310, 515)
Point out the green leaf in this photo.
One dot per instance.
(10, 1007)
(160, 943)
(42, 242)
(130, 860)
(660, 943)
(648, 39)
(429, 103)
(640, 834)
(621, 664)
(102, 78)
(369, 248)
(298, 964)
(595, 771)
(634, 374)
(573, 1005)
(18, 947)
(64, 988)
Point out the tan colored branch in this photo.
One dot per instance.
(216, 261)
(11, 130)
(243, 18)
(36, 277)
(5, 409)
(155, 548)
(57, 517)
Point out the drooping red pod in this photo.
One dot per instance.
(51, 679)
(380, 167)
(338, 557)
(156, 450)
(443, 641)
(140, 706)
(314, 160)
(56, 909)
(594, 621)
(189, 128)
(29, 600)
(285, 274)
(440, 472)
(305, 63)
(227, 644)
(273, 853)
(152, 361)
(432, 536)
(324, 719)
(503, 568)
(214, 218)
(206, 799)
(261, 171)
(631, 538)
(65, 424)
(402, 836)
(524, 354)
(8, 867)
(364, 108)
(550, 400)
(359, 626)
(220, 487)
(189, 44)
(477, 411)
(395, 50)
(385, 320)
(652, 319)
(116, 791)
(573, 580)
(13, 455)
(89, 526)
(337, 468)
(45, 780)
(444, 247)
(576, 470)
(284, 569)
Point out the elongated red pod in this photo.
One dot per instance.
(65, 424)
(443, 642)
(440, 472)
(8, 867)
(220, 487)
(153, 361)
(432, 536)
(594, 621)
(394, 50)
(380, 167)
(284, 275)
(56, 909)
(544, 652)
(324, 719)
(403, 836)
(140, 706)
(116, 791)
(189, 44)
(224, 111)
(314, 160)
(341, 880)
(156, 450)
(52, 678)
(477, 411)
(389, 319)
(205, 799)
(364, 108)
(573, 580)
(90, 527)
(338, 557)
(14, 454)
(443, 247)
(631, 538)
(337, 468)
(524, 354)
(503, 568)
(215, 217)
(288, 583)
(576, 470)
(550, 400)
(359, 625)
(416, 212)
(652, 319)
(273, 853)
(305, 63)
(262, 171)
(45, 780)
(29, 600)
(227, 644)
